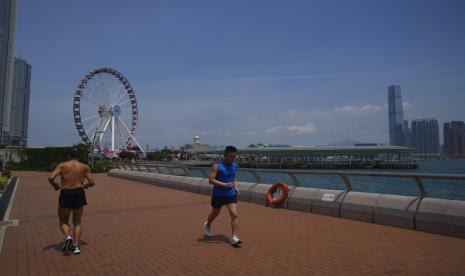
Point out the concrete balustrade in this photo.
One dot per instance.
(180, 183)
(259, 193)
(396, 210)
(441, 216)
(432, 215)
(359, 206)
(164, 170)
(245, 190)
(301, 199)
(327, 202)
(205, 187)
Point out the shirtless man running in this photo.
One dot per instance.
(72, 197)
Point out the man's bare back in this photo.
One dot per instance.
(73, 174)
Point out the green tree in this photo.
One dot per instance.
(157, 155)
(124, 154)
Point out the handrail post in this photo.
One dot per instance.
(258, 180)
(346, 181)
(294, 179)
(202, 171)
(420, 186)
(170, 171)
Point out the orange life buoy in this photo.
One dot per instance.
(273, 189)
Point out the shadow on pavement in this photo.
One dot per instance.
(58, 246)
(217, 239)
(214, 239)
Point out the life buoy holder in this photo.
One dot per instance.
(282, 197)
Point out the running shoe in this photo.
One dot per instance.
(207, 231)
(235, 240)
(76, 250)
(67, 243)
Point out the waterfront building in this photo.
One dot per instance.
(454, 139)
(425, 136)
(312, 157)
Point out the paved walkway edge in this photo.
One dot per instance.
(9, 197)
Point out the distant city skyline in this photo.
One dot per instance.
(300, 73)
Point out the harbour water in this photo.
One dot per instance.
(446, 189)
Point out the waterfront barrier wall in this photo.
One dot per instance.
(439, 216)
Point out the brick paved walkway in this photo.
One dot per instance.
(132, 228)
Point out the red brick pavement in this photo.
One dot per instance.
(131, 228)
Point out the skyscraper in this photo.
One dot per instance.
(425, 136)
(396, 116)
(7, 45)
(20, 103)
(407, 134)
(454, 139)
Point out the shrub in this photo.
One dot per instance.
(3, 181)
(7, 173)
(45, 159)
(102, 166)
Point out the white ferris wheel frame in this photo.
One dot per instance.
(106, 113)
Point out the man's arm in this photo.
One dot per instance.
(51, 177)
(90, 178)
(236, 186)
(214, 182)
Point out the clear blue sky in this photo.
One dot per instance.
(241, 72)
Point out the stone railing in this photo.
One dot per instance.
(441, 216)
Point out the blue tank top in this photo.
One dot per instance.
(225, 174)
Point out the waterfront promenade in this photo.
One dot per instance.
(131, 228)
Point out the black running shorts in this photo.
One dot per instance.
(218, 201)
(72, 198)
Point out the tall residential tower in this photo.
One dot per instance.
(425, 136)
(454, 139)
(396, 116)
(20, 103)
(7, 47)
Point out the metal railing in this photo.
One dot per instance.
(293, 174)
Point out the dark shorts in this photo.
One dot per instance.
(72, 198)
(219, 201)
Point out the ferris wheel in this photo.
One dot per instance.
(105, 111)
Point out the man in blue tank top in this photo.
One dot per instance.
(224, 192)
